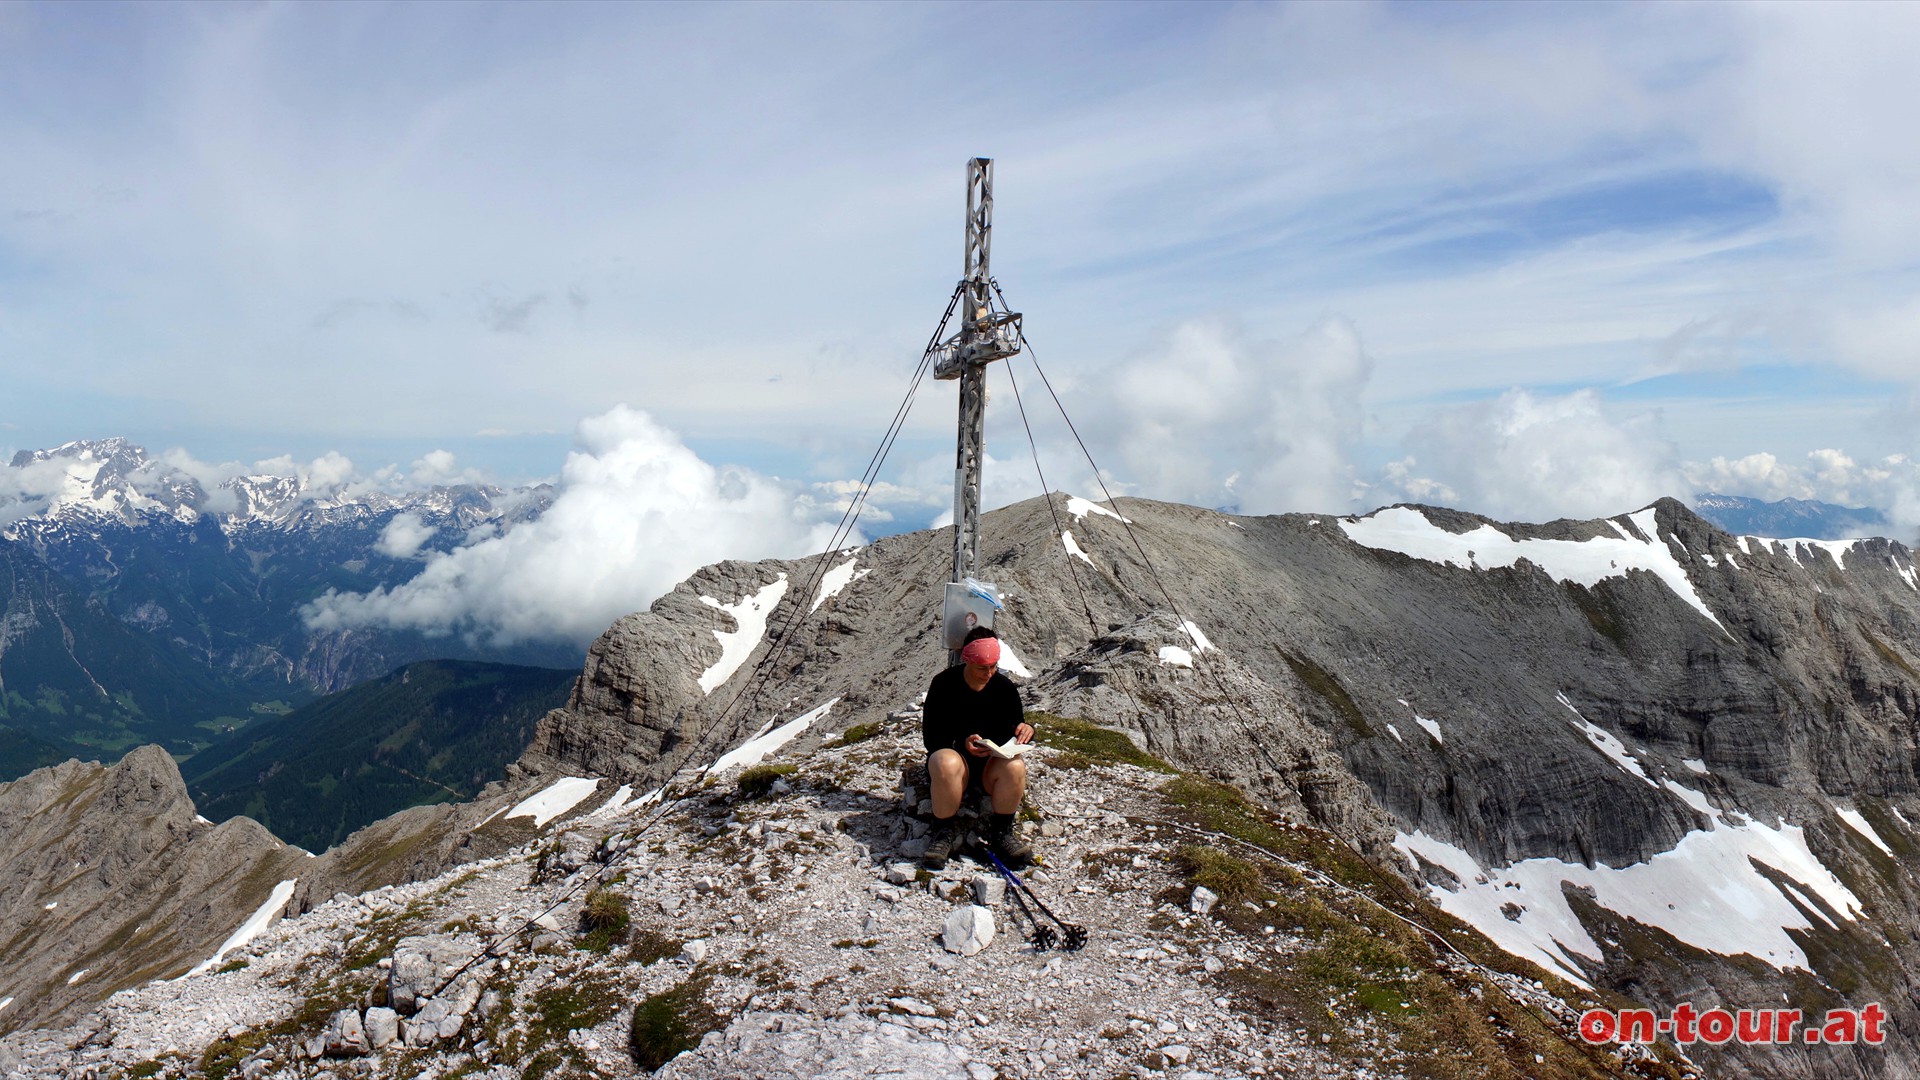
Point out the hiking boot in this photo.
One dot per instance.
(1011, 848)
(940, 843)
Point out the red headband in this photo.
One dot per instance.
(981, 651)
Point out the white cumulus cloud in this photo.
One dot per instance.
(1531, 457)
(634, 512)
(1213, 416)
(402, 537)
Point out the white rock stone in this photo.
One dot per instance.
(693, 952)
(345, 1036)
(1202, 900)
(421, 965)
(382, 1027)
(989, 890)
(969, 930)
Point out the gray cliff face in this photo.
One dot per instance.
(1453, 697)
(112, 881)
(1808, 692)
(1776, 681)
(109, 879)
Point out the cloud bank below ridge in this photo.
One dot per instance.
(634, 512)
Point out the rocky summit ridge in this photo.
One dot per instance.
(1637, 757)
(772, 922)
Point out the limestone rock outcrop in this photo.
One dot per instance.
(108, 879)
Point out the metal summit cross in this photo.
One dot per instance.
(985, 335)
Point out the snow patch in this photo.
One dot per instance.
(1586, 562)
(555, 799)
(1432, 728)
(1692, 798)
(255, 925)
(1859, 824)
(1695, 765)
(1073, 548)
(1705, 891)
(833, 581)
(1839, 549)
(1080, 508)
(1010, 662)
(1900, 817)
(1182, 657)
(620, 804)
(50, 907)
(201, 820)
(613, 805)
(1396, 733)
(750, 614)
(1605, 741)
(77, 976)
(766, 741)
(4, 1002)
(1200, 642)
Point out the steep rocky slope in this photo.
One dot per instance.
(1639, 751)
(110, 877)
(1655, 760)
(778, 928)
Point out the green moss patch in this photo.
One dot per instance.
(1234, 880)
(757, 781)
(859, 733)
(672, 1022)
(605, 917)
(647, 946)
(1086, 744)
(1327, 687)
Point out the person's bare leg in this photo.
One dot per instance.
(947, 773)
(1006, 782)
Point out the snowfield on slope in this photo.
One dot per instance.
(1584, 562)
(750, 615)
(1705, 891)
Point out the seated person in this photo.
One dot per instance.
(965, 703)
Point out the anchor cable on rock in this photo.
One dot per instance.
(1046, 493)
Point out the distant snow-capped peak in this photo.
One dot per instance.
(103, 477)
(114, 479)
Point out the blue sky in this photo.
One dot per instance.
(1533, 260)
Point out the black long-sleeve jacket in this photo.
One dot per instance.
(955, 710)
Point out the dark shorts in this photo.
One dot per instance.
(976, 767)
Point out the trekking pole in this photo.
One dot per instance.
(1043, 936)
(1076, 935)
